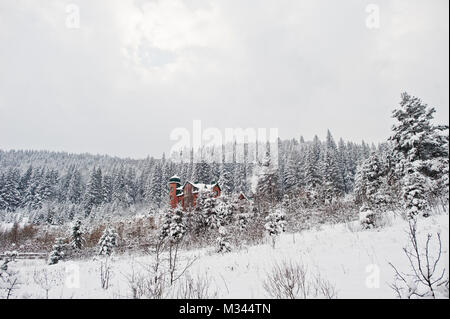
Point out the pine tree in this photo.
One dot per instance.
(173, 227)
(155, 185)
(108, 241)
(223, 241)
(275, 224)
(290, 179)
(33, 199)
(210, 210)
(24, 184)
(75, 188)
(77, 235)
(332, 177)
(415, 136)
(108, 188)
(226, 180)
(343, 161)
(313, 177)
(10, 193)
(130, 187)
(57, 253)
(94, 195)
(423, 149)
(202, 172)
(267, 185)
(414, 194)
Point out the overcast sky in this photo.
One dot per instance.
(135, 70)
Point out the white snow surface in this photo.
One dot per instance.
(345, 255)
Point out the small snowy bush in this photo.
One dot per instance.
(57, 253)
(368, 218)
(223, 241)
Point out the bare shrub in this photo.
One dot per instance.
(93, 237)
(143, 283)
(424, 278)
(324, 288)
(9, 280)
(47, 280)
(198, 287)
(105, 272)
(158, 279)
(290, 280)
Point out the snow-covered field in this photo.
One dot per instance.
(354, 260)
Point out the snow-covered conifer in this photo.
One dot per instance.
(57, 252)
(275, 224)
(223, 241)
(108, 241)
(422, 148)
(77, 235)
(173, 227)
(415, 192)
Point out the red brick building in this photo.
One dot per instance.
(185, 195)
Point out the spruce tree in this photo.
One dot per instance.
(108, 241)
(77, 235)
(422, 148)
(57, 253)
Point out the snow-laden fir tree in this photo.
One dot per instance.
(210, 210)
(333, 182)
(75, 188)
(94, 193)
(414, 192)
(226, 180)
(108, 188)
(372, 190)
(155, 185)
(243, 220)
(267, 188)
(368, 182)
(57, 252)
(225, 209)
(108, 241)
(77, 235)
(313, 176)
(202, 172)
(423, 149)
(415, 136)
(173, 227)
(9, 192)
(223, 241)
(275, 224)
(290, 178)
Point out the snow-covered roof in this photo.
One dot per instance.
(198, 187)
(202, 186)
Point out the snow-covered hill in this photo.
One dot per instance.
(355, 261)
